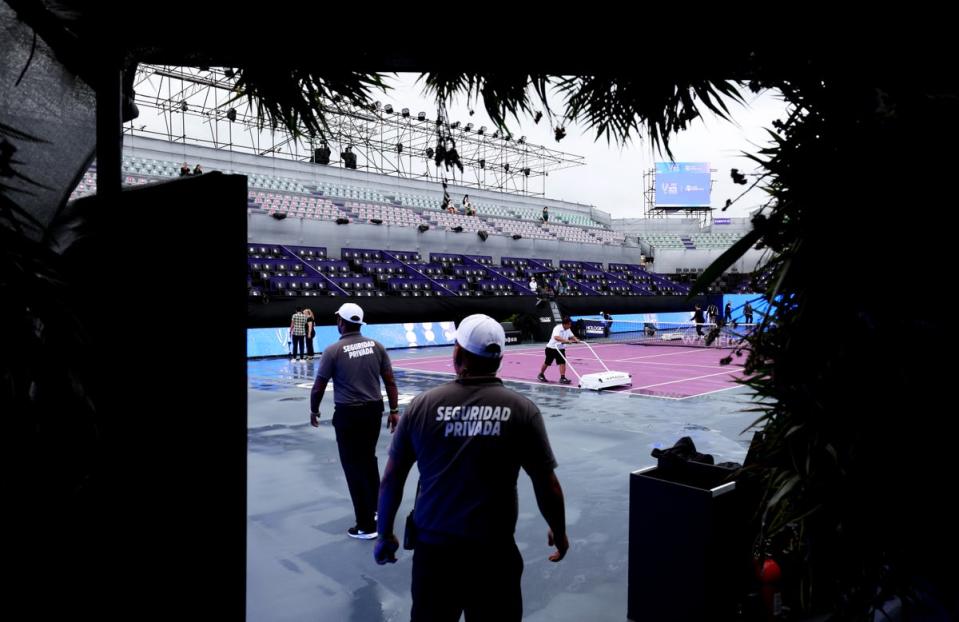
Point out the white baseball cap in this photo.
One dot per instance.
(481, 335)
(351, 312)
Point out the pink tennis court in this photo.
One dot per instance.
(657, 371)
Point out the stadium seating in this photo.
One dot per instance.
(338, 200)
(663, 240)
(277, 270)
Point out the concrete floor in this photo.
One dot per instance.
(302, 566)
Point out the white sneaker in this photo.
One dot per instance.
(359, 534)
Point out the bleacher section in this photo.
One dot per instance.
(399, 216)
(350, 192)
(714, 240)
(729, 283)
(652, 283)
(278, 270)
(525, 229)
(577, 220)
(571, 234)
(274, 183)
(491, 209)
(617, 238)
(418, 200)
(87, 185)
(343, 201)
(451, 221)
(527, 214)
(663, 240)
(295, 205)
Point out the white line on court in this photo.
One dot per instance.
(659, 384)
(571, 358)
(570, 386)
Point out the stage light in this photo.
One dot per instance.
(231, 114)
(429, 152)
(399, 147)
(496, 134)
(482, 163)
(406, 112)
(342, 221)
(526, 172)
(184, 107)
(506, 167)
(278, 215)
(522, 139)
(516, 236)
(421, 116)
(482, 235)
(468, 127)
(229, 73)
(423, 228)
(388, 108)
(458, 229)
(482, 130)
(376, 221)
(455, 125)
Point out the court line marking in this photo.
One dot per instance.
(632, 362)
(570, 386)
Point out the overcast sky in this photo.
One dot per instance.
(612, 178)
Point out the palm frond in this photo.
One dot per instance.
(301, 98)
(618, 107)
(504, 95)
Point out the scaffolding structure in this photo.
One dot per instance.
(199, 106)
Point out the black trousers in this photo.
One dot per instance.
(481, 580)
(298, 345)
(357, 430)
(309, 346)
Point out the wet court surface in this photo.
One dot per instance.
(302, 566)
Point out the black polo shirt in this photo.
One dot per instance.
(355, 364)
(469, 439)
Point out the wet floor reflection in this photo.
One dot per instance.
(302, 566)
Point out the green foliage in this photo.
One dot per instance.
(845, 382)
(299, 99)
(619, 106)
(503, 95)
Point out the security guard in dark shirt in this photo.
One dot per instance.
(355, 364)
(469, 439)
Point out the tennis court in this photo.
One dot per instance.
(658, 371)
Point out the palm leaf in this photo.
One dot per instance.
(301, 99)
(504, 95)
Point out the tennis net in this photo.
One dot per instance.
(686, 334)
